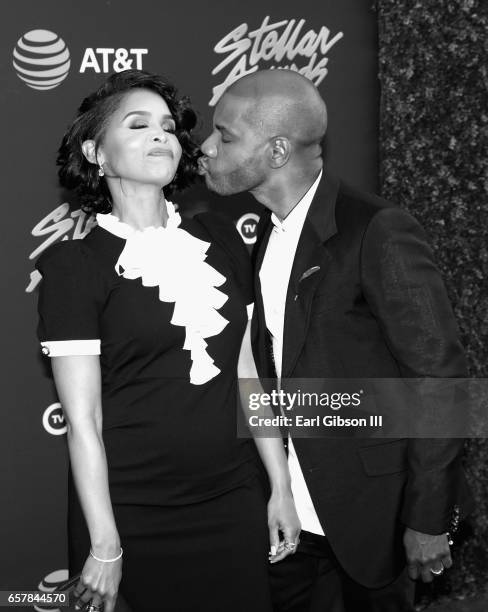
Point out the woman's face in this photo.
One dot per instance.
(139, 144)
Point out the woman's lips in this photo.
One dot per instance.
(160, 153)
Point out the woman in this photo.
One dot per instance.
(144, 320)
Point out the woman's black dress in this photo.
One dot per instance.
(186, 496)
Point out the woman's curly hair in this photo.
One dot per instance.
(77, 173)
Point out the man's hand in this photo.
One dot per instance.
(427, 555)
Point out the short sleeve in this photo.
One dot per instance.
(69, 300)
(224, 232)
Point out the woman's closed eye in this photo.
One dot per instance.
(171, 129)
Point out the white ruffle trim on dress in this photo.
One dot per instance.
(174, 260)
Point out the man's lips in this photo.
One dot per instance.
(202, 168)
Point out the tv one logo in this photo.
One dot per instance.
(42, 59)
(49, 585)
(246, 226)
(53, 420)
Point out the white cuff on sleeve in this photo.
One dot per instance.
(64, 348)
(250, 308)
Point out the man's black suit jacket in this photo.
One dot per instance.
(377, 308)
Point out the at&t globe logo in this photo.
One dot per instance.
(41, 59)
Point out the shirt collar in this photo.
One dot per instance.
(296, 217)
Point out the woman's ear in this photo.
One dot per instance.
(89, 151)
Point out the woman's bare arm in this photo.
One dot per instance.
(78, 383)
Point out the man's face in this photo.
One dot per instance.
(234, 153)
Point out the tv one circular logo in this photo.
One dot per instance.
(49, 584)
(246, 226)
(53, 420)
(41, 59)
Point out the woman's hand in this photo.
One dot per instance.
(282, 516)
(98, 585)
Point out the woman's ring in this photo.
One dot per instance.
(290, 545)
(94, 608)
(437, 572)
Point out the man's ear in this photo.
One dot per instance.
(280, 151)
(89, 151)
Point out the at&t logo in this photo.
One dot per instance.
(53, 420)
(105, 59)
(41, 59)
(246, 226)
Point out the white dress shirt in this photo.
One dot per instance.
(274, 276)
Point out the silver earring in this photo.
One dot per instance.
(100, 170)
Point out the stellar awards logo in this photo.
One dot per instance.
(274, 45)
(58, 225)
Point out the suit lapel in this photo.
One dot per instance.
(311, 253)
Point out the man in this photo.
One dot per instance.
(345, 288)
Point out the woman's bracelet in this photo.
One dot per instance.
(119, 556)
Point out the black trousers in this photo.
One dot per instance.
(312, 580)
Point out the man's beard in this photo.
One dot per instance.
(238, 181)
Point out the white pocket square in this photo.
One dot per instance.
(309, 272)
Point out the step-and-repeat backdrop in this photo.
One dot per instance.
(52, 54)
